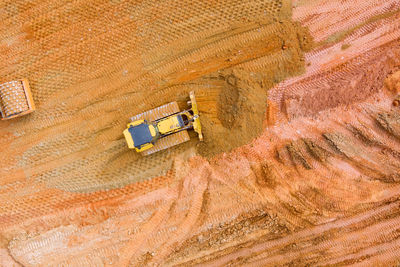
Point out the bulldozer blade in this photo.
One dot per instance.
(196, 123)
(197, 128)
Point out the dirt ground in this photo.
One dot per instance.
(300, 160)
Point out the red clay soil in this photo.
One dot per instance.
(319, 185)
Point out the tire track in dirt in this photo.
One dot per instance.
(292, 201)
(291, 97)
(326, 18)
(86, 143)
(386, 234)
(199, 186)
(383, 165)
(331, 191)
(283, 251)
(133, 245)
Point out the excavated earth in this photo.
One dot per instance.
(300, 164)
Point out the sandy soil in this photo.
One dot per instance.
(308, 173)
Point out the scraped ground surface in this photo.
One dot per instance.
(301, 159)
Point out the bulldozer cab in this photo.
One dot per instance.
(140, 135)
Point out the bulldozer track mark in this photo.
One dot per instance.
(72, 195)
(148, 228)
(192, 217)
(273, 248)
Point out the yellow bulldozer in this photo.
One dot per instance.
(163, 127)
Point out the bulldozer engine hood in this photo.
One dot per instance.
(170, 124)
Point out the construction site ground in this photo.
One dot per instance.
(300, 164)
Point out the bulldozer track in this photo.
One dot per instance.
(158, 113)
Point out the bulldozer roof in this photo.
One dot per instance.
(140, 134)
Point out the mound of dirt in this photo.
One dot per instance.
(228, 102)
(233, 108)
(232, 112)
(393, 82)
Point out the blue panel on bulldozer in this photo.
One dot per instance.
(140, 134)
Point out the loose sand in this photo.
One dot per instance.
(238, 96)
